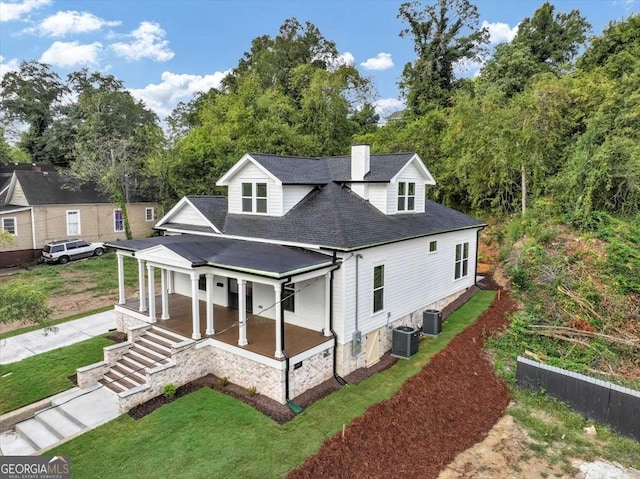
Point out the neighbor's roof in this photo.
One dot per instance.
(334, 217)
(53, 188)
(238, 255)
(320, 171)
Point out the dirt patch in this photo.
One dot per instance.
(446, 408)
(505, 452)
(117, 337)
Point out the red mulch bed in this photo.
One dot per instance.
(446, 408)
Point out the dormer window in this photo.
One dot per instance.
(254, 197)
(406, 196)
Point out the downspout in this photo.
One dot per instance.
(340, 380)
(33, 229)
(475, 275)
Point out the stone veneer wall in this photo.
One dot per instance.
(347, 362)
(314, 370)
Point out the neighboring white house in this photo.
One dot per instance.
(298, 275)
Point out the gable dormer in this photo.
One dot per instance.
(406, 190)
(252, 189)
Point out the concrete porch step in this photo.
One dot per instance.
(158, 339)
(37, 434)
(138, 360)
(112, 386)
(120, 380)
(149, 355)
(59, 423)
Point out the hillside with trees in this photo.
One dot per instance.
(544, 144)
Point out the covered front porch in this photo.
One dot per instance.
(271, 300)
(260, 329)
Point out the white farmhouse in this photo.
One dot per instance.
(297, 276)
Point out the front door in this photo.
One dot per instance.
(233, 294)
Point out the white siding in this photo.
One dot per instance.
(378, 196)
(309, 305)
(188, 215)
(413, 279)
(251, 173)
(292, 195)
(263, 296)
(409, 174)
(182, 285)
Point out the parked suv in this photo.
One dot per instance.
(64, 251)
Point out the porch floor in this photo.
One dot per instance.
(261, 331)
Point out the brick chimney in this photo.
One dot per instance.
(360, 162)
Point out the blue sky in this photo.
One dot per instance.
(165, 51)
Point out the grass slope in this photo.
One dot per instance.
(208, 434)
(46, 374)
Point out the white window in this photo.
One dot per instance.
(433, 246)
(10, 225)
(149, 214)
(289, 298)
(118, 221)
(462, 260)
(254, 197)
(378, 288)
(73, 223)
(406, 196)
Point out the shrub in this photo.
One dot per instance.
(169, 390)
(252, 391)
(20, 301)
(224, 382)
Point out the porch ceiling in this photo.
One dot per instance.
(261, 331)
(255, 257)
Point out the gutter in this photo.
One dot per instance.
(475, 275)
(33, 229)
(340, 380)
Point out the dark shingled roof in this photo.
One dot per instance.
(320, 171)
(214, 208)
(52, 188)
(334, 217)
(269, 259)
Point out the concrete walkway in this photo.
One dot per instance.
(72, 413)
(25, 345)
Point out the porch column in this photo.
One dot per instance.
(141, 292)
(327, 304)
(121, 294)
(278, 295)
(242, 313)
(210, 329)
(152, 292)
(195, 306)
(170, 283)
(165, 294)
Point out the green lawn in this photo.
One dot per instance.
(46, 374)
(208, 434)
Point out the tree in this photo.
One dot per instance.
(21, 301)
(544, 43)
(33, 95)
(116, 136)
(443, 34)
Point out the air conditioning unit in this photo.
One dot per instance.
(404, 341)
(432, 322)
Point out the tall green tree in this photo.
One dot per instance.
(33, 95)
(546, 42)
(116, 136)
(443, 33)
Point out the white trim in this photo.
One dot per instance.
(33, 228)
(421, 166)
(224, 180)
(15, 225)
(79, 232)
(254, 197)
(375, 265)
(178, 206)
(313, 351)
(16, 210)
(461, 260)
(114, 221)
(11, 187)
(435, 250)
(130, 312)
(153, 213)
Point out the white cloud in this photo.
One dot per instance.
(16, 10)
(333, 63)
(387, 106)
(70, 22)
(148, 42)
(164, 96)
(67, 54)
(6, 67)
(500, 32)
(382, 61)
